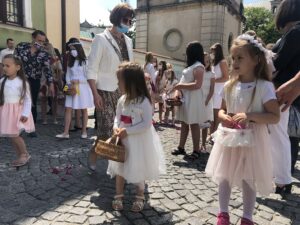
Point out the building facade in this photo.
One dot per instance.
(166, 27)
(274, 5)
(19, 18)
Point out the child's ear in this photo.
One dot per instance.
(18, 67)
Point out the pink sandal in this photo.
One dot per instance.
(22, 161)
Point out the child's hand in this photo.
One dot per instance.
(122, 133)
(177, 87)
(23, 119)
(227, 121)
(116, 131)
(240, 118)
(206, 102)
(177, 95)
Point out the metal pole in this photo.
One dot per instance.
(63, 26)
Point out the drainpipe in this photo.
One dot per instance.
(63, 26)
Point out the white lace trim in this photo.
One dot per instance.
(253, 41)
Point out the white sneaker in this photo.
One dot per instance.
(63, 136)
(84, 136)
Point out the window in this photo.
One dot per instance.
(11, 12)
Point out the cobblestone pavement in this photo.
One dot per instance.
(55, 188)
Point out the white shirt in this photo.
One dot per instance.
(104, 61)
(149, 68)
(13, 92)
(5, 52)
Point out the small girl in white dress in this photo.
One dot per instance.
(170, 93)
(76, 78)
(208, 92)
(241, 155)
(133, 124)
(15, 107)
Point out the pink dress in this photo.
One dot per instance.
(252, 164)
(13, 109)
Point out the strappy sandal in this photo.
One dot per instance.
(22, 161)
(138, 204)
(117, 203)
(203, 150)
(195, 155)
(178, 151)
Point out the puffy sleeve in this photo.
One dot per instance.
(145, 111)
(68, 75)
(27, 102)
(118, 114)
(268, 92)
(94, 58)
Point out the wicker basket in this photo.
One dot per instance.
(173, 102)
(110, 149)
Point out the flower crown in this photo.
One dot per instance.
(252, 41)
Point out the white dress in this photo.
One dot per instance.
(84, 99)
(190, 112)
(217, 99)
(250, 164)
(208, 75)
(144, 153)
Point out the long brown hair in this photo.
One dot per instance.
(81, 55)
(20, 74)
(219, 56)
(260, 70)
(134, 82)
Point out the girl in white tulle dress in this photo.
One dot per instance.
(241, 155)
(133, 124)
(15, 107)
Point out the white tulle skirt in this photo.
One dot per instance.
(251, 164)
(144, 158)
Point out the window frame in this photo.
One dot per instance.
(4, 15)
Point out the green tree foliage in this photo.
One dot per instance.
(261, 21)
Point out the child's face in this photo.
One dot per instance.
(121, 83)
(10, 68)
(243, 64)
(206, 60)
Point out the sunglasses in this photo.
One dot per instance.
(127, 20)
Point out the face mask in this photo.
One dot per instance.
(74, 53)
(212, 56)
(38, 46)
(159, 67)
(123, 28)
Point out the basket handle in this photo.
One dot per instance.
(113, 140)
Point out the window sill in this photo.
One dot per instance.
(16, 27)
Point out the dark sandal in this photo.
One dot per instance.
(179, 151)
(195, 155)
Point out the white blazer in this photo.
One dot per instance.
(104, 61)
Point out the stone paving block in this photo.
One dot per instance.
(190, 208)
(96, 220)
(140, 222)
(63, 217)
(25, 221)
(182, 214)
(95, 212)
(50, 215)
(77, 219)
(78, 210)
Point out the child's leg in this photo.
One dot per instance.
(160, 105)
(249, 198)
(68, 118)
(184, 132)
(44, 102)
(167, 114)
(173, 114)
(224, 195)
(77, 118)
(84, 120)
(204, 136)
(21, 150)
(120, 182)
(195, 136)
(54, 108)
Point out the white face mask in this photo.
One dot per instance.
(212, 56)
(74, 53)
(159, 67)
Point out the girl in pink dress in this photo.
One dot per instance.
(241, 155)
(15, 107)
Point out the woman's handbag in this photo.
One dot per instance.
(69, 89)
(294, 122)
(110, 149)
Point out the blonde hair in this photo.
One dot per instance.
(255, 51)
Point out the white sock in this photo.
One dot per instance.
(249, 198)
(224, 195)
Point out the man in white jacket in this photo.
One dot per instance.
(109, 49)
